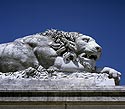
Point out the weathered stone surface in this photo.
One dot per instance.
(97, 107)
(57, 55)
(32, 107)
(59, 94)
(63, 107)
(57, 70)
(55, 96)
(31, 76)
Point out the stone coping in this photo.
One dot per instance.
(55, 84)
(15, 88)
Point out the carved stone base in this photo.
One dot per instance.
(31, 76)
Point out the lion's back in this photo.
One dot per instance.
(16, 56)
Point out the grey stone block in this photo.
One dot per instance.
(96, 107)
(32, 107)
(58, 94)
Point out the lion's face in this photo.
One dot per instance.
(88, 50)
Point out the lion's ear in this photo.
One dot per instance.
(75, 37)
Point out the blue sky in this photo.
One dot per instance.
(104, 20)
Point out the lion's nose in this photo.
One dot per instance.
(99, 49)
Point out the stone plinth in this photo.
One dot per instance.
(59, 94)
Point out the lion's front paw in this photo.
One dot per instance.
(112, 74)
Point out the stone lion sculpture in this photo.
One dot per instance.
(54, 50)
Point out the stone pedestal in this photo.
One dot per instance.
(45, 94)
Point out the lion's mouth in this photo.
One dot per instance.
(89, 56)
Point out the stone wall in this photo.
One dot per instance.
(38, 94)
(63, 107)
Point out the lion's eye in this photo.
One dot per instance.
(86, 40)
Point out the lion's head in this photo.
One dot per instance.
(85, 48)
(88, 51)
